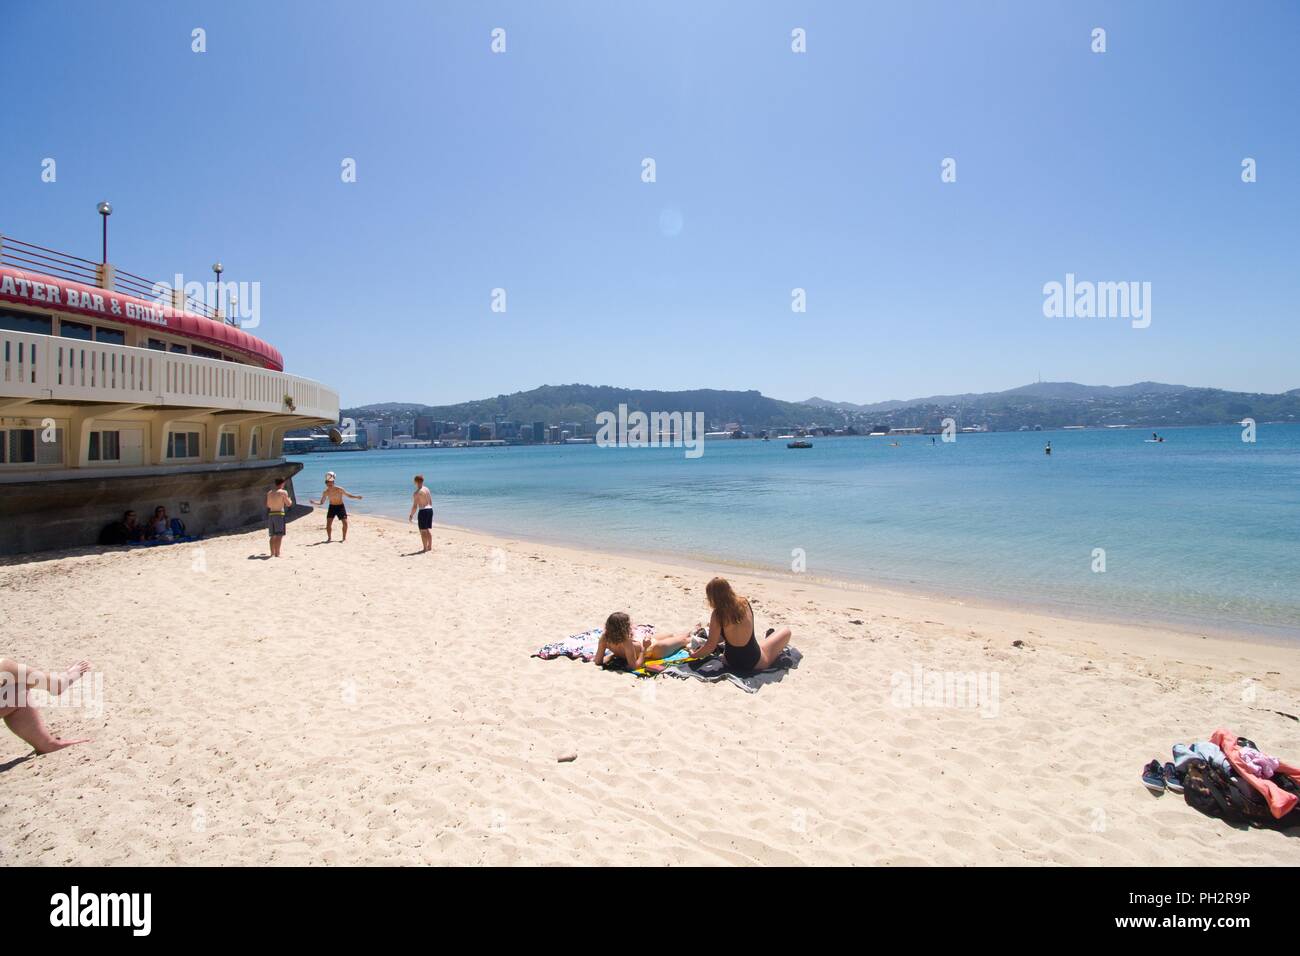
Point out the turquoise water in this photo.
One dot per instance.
(1203, 529)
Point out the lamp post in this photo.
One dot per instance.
(105, 210)
(218, 268)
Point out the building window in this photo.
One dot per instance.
(257, 434)
(20, 449)
(27, 446)
(105, 446)
(158, 345)
(183, 445)
(178, 348)
(75, 330)
(24, 322)
(227, 445)
(110, 336)
(200, 351)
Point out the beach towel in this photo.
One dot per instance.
(716, 669)
(582, 647)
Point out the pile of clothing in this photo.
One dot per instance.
(1230, 777)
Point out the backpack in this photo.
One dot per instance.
(1209, 790)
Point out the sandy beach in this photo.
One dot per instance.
(357, 704)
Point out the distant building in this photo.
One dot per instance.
(539, 431)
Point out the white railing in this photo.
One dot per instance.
(49, 367)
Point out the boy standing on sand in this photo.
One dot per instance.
(334, 495)
(422, 501)
(278, 504)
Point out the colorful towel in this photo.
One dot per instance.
(582, 647)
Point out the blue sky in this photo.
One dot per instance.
(820, 170)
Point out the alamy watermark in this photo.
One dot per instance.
(86, 694)
(240, 301)
(971, 690)
(653, 430)
(1098, 300)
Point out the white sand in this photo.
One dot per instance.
(347, 704)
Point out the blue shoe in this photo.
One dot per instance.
(1153, 775)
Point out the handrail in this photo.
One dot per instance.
(51, 262)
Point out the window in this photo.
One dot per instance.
(178, 348)
(75, 330)
(227, 445)
(183, 445)
(257, 433)
(25, 446)
(24, 322)
(21, 447)
(205, 353)
(158, 345)
(111, 336)
(105, 446)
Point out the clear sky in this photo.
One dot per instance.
(775, 170)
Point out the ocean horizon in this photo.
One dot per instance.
(1199, 531)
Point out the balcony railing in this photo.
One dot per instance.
(62, 265)
(47, 367)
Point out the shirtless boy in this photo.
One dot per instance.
(278, 504)
(422, 502)
(334, 495)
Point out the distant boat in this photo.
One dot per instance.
(801, 443)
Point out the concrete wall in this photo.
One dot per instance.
(57, 513)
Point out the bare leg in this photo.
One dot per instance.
(329, 529)
(771, 647)
(345, 528)
(662, 645)
(427, 538)
(25, 721)
(16, 674)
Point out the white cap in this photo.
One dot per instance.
(329, 475)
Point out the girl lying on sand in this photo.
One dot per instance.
(617, 640)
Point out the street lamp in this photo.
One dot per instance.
(105, 210)
(218, 268)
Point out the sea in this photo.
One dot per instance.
(1201, 530)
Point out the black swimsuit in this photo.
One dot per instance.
(742, 659)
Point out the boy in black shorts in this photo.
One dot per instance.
(422, 503)
(333, 495)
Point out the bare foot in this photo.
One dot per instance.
(61, 682)
(57, 744)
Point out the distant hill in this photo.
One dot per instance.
(553, 404)
(1055, 404)
(1041, 404)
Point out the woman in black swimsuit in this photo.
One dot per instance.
(732, 624)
